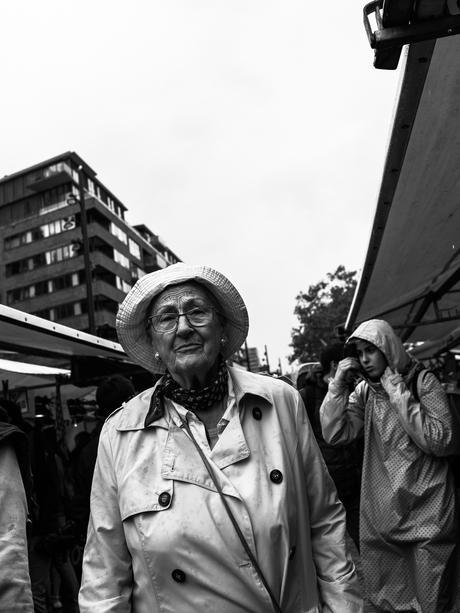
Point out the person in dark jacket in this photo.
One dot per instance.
(52, 531)
(344, 462)
(110, 395)
(15, 479)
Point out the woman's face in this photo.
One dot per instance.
(371, 359)
(190, 354)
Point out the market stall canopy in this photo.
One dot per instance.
(28, 334)
(88, 357)
(25, 375)
(411, 275)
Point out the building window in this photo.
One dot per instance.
(45, 287)
(55, 198)
(39, 260)
(162, 263)
(134, 249)
(59, 254)
(121, 259)
(136, 272)
(118, 232)
(12, 241)
(43, 231)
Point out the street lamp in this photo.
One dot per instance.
(72, 199)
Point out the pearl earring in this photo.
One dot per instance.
(157, 356)
(223, 341)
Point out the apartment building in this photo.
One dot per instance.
(42, 242)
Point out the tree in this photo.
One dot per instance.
(320, 310)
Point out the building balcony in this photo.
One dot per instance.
(43, 273)
(105, 323)
(154, 262)
(101, 288)
(99, 259)
(40, 246)
(47, 178)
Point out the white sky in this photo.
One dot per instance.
(249, 134)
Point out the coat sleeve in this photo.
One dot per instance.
(342, 414)
(107, 568)
(337, 579)
(15, 592)
(428, 422)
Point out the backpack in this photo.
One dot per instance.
(308, 394)
(453, 394)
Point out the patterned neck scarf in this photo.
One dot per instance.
(189, 399)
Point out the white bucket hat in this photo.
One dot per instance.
(132, 314)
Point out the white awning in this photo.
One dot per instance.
(31, 335)
(31, 369)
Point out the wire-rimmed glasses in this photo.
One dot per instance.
(168, 322)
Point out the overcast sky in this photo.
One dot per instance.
(250, 135)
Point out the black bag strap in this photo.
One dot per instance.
(230, 515)
(309, 399)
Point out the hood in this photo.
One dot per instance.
(381, 334)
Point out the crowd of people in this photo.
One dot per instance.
(222, 490)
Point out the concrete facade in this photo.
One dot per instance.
(42, 269)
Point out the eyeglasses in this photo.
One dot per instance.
(168, 322)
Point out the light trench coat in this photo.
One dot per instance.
(160, 540)
(15, 590)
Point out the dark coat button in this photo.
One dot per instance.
(276, 476)
(164, 499)
(257, 413)
(292, 553)
(178, 575)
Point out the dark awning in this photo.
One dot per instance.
(411, 275)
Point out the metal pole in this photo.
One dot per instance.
(88, 273)
(266, 358)
(247, 355)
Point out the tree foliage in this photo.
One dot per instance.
(319, 311)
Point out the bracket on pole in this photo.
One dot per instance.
(387, 41)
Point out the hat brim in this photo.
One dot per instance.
(132, 314)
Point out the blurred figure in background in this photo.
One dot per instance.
(342, 462)
(81, 440)
(110, 395)
(14, 415)
(52, 531)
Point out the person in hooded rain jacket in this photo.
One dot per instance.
(206, 444)
(409, 523)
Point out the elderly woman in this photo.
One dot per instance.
(209, 492)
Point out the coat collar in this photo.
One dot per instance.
(132, 415)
